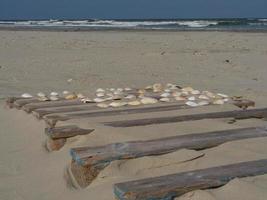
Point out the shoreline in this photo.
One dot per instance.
(90, 29)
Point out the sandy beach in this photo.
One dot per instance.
(233, 63)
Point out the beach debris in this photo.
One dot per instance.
(69, 80)
(187, 89)
(99, 100)
(157, 87)
(41, 94)
(192, 103)
(222, 95)
(166, 94)
(87, 100)
(26, 95)
(127, 89)
(53, 94)
(130, 96)
(102, 105)
(65, 92)
(148, 100)
(71, 96)
(202, 96)
(218, 102)
(101, 94)
(203, 103)
(100, 90)
(180, 98)
(244, 103)
(80, 96)
(134, 103)
(176, 94)
(195, 92)
(44, 98)
(117, 104)
(192, 98)
(54, 98)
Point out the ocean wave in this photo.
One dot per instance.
(197, 24)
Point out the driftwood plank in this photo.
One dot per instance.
(174, 185)
(39, 113)
(237, 114)
(53, 118)
(49, 104)
(11, 100)
(87, 162)
(24, 101)
(66, 132)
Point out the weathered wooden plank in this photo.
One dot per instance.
(89, 161)
(53, 118)
(24, 101)
(39, 113)
(237, 114)
(11, 100)
(174, 185)
(49, 104)
(66, 132)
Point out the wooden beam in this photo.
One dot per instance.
(49, 104)
(174, 185)
(89, 161)
(24, 101)
(237, 114)
(66, 132)
(54, 118)
(11, 100)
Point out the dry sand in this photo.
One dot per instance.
(44, 61)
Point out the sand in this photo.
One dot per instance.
(34, 61)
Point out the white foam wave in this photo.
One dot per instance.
(197, 24)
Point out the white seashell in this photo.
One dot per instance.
(109, 94)
(191, 103)
(102, 105)
(43, 98)
(87, 100)
(53, 98)
(184, 93)
(98, 100)
(109, 98)
(167, 90)
(179, 98)
(100, 94)
(127, 89)
(117, 92)
(134, 103)
(65, 92)
(149, 87)
(202, 96)
(117, 104)
(119, 89)
(41, 94)
(218, 102)
(222, 95)
(112, 89)
(165, 99)
(69, 80)
(80, 96)
(187, 89)
(176, 94)
(226, 100)
(165, 94)
(148, 100)
(100, 90)
(157, 87)
(26, 95)
(209, 94)
(195, 92)
(54, 94)
(203, 103)
(130, 96)
(192, 98)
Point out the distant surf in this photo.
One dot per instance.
(161, 24)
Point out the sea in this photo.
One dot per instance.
(244, 24)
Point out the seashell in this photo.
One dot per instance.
(26, 95)
(117, 92)
(101, 94)
(117, 104)
(184, 93)
(109, 98)
(53, 98)
(102, 105)
(225, 100)
(195, 92)
(71, 96)
(127, 89)
(87, 100)
(171, 86)
(149, 87)
(130, 96)
(203, 103)
(80, 96)
(54, 94)
(176, 94)
(148, 100)
(65, 92)
(165, 99)
(141, 91)
(179, 98)
(116, 97)
(41, 94)
(100, 90)
(119, 89)
(222, 95)
(109, 94)
(167, 90)
(191, 103)
(202, 96)
(209, 94)
(98, 100)
(218, 102)
(111, 89)
(187, 89)
(134, 103)
(165, 94)
(69, 80)
(192, 98)
(157, 87)
(43, 98)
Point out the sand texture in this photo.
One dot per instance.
(31, 61)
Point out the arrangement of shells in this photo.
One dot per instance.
(118, 97)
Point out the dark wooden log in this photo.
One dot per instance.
(49, 104)
(174, 185)
(11, 100)
(24, 101)
(53, 118)
(66, 132)
(237, 114)
(89, 157)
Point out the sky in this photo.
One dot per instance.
(131, 9)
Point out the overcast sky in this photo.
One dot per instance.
(78, 9)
